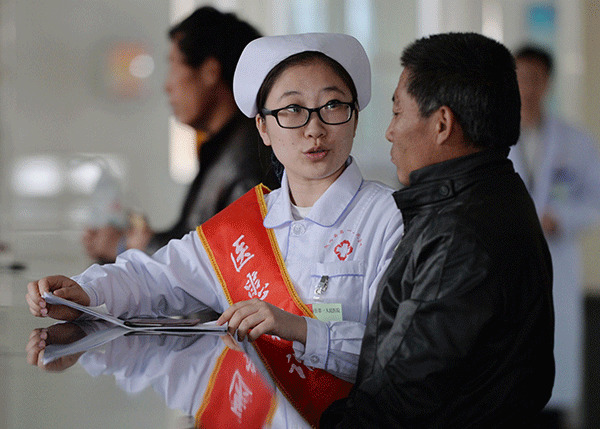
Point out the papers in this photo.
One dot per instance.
(90, 341)
(96, 313)
(98, 333)
(140, 324)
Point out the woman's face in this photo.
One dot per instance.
(315, 153)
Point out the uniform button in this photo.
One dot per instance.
(314, 359)
(444, 191)
(298, 229)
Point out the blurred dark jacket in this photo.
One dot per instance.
(231, 162)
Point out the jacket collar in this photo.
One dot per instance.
(442, 181)
(327, 210)
(218, 143)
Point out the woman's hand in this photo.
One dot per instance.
(60, 286)
(63, 333)
(101, 243)
(254, 317)
(139, 233)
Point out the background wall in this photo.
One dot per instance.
(63, 100)
(590, 15)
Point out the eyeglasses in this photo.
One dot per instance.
(294, 116)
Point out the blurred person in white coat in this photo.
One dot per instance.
(560, 165)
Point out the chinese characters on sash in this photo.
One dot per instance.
(237, 396)
(240, 256)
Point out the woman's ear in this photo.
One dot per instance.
(261, 126)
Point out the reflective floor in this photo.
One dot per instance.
(94, 375)
(72, 398)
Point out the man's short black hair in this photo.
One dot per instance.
(210, 33)
(475, 77)
(532, 52)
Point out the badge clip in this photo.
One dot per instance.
(322, 286)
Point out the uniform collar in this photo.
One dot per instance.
(327, 210)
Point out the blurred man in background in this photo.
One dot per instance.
(205, 48)
(560, 165)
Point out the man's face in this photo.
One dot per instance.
(189, 94)
(412, 136)
(533, 83)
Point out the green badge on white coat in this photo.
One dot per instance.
(326, 312)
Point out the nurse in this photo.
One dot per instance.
(294, 270)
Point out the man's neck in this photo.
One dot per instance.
(223, 111)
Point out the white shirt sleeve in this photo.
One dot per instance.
(177, 368)
(177, 280)
(341, 357)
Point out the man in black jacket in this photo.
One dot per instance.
(204, 51)
(460, 334)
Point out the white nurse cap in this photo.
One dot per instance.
(261, 55)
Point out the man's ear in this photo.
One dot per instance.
(445, 124)
(210, 71)
(261, 126)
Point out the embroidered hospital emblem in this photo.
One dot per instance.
(343, 238)
(343, 250)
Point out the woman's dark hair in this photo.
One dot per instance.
(301, 58)
(475, 77)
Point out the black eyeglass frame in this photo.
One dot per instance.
(317, 110)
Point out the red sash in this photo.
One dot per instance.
(248, 263)
(236, 396)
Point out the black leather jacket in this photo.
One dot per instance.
(461, 331)
(231, 163)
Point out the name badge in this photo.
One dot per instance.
(326, 312)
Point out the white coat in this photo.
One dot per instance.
(566, 183)
(179, 278)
